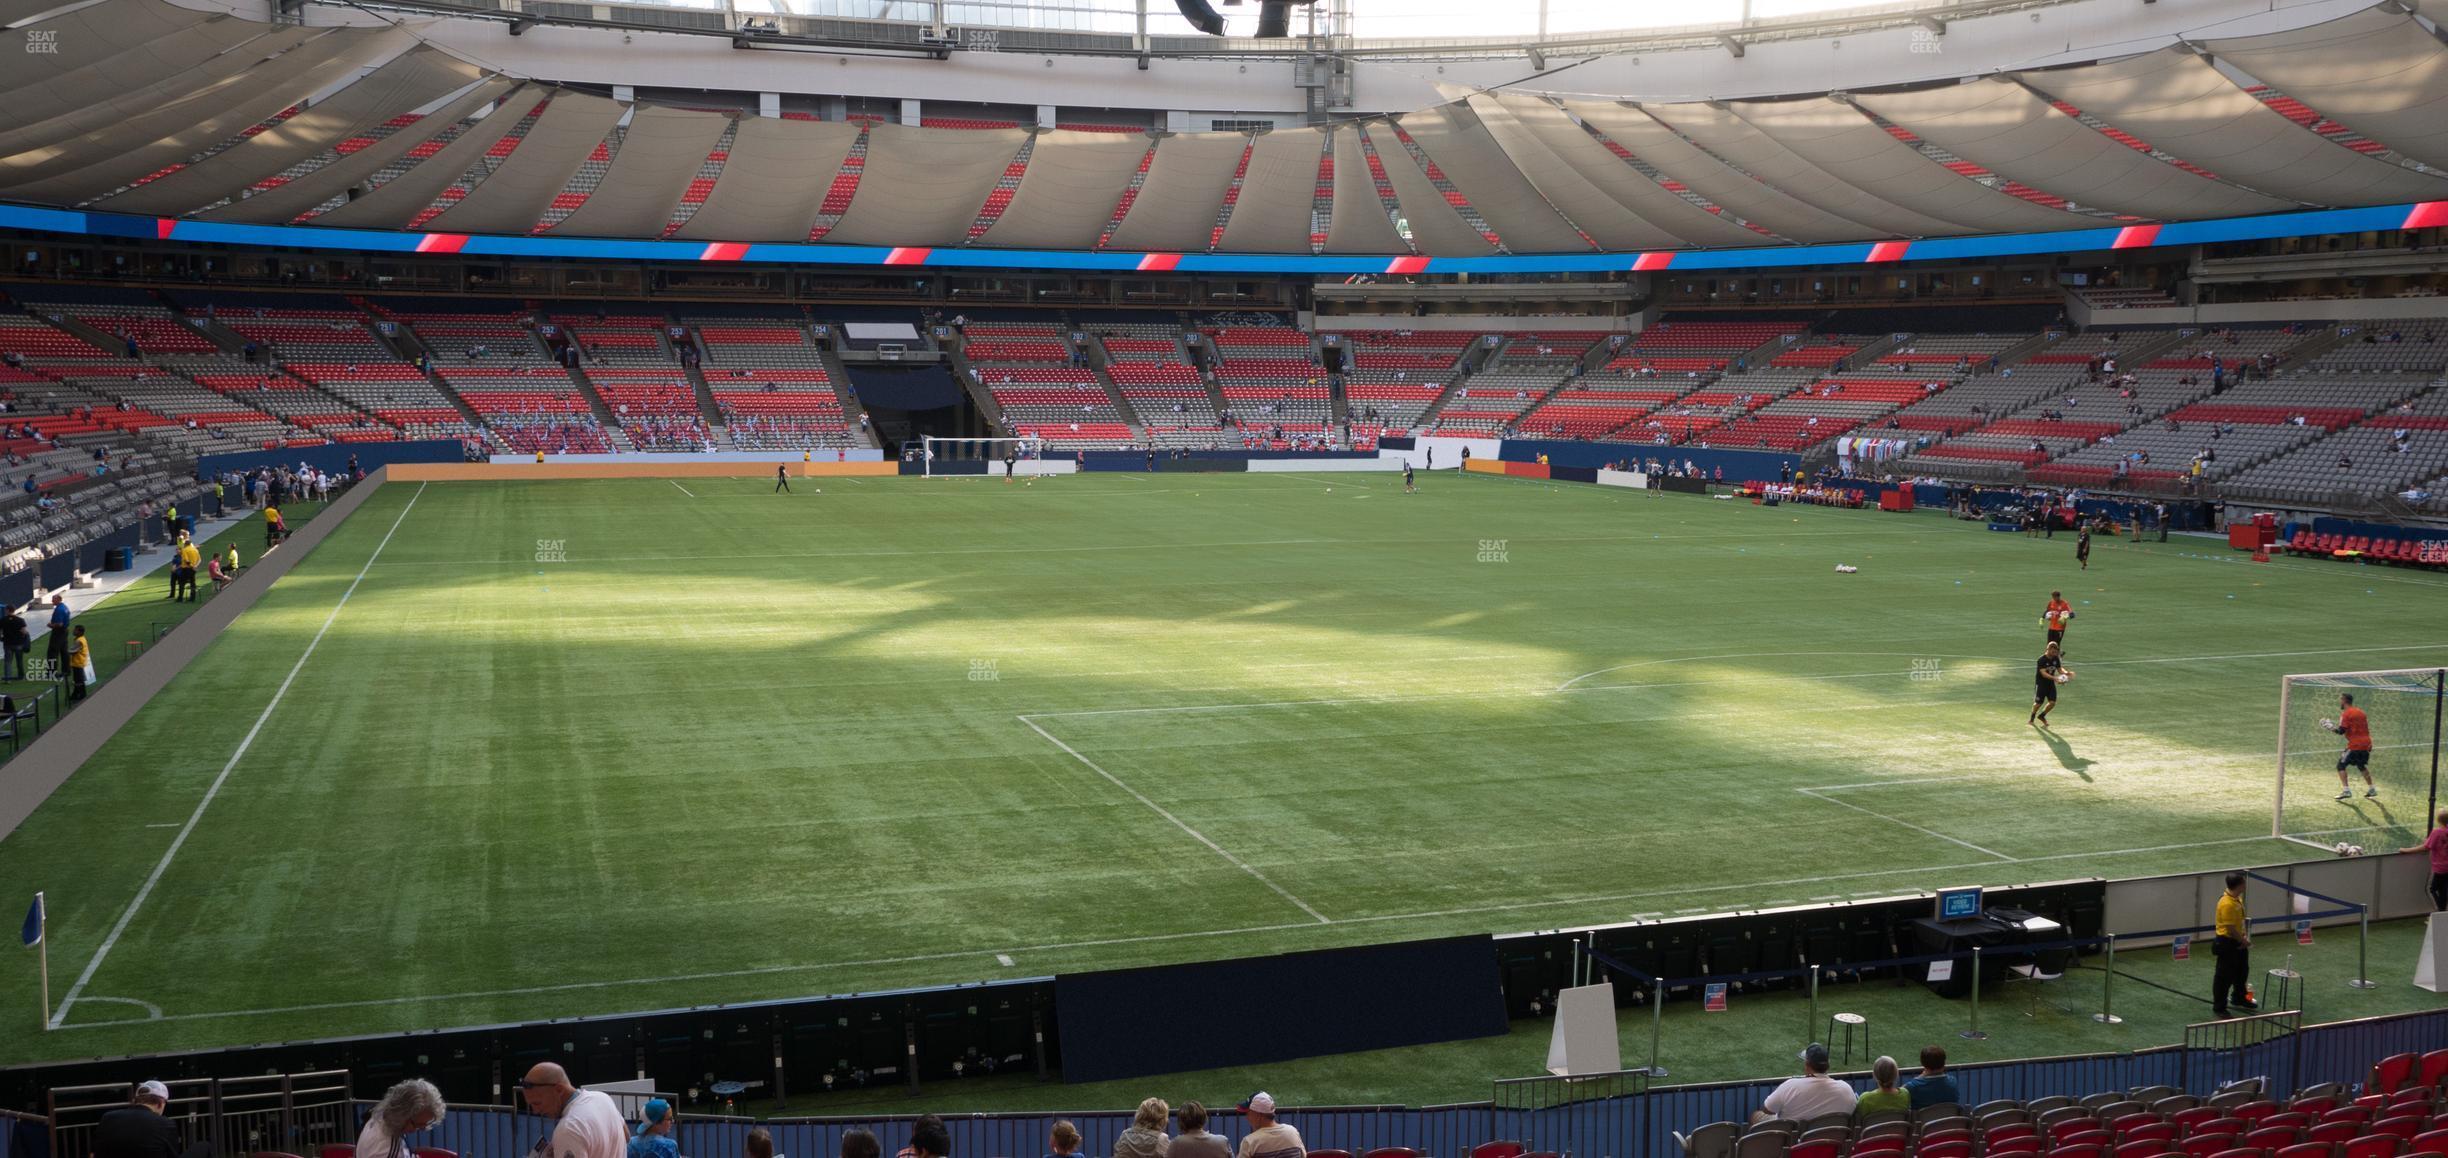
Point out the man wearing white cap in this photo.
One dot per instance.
(590, 1124)
(139, 1130)
(1268, 1138)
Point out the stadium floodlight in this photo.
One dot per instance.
(2404, 707)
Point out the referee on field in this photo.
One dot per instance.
(782, 479)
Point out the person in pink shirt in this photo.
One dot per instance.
(2437, 845)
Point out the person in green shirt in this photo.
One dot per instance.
(1888, 1096)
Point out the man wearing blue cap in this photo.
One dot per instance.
(652, 1136)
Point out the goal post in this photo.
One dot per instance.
(2406, 707)
(932, 450)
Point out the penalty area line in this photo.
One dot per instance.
(180, 841)
(1177, 822)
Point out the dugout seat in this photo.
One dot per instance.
(1512, 1149)
(2148, 1095)
(2434, 1068)
(1757, 1144)
(1392, 1152)
(1331, 1153)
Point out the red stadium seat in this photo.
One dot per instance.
(2143, 1148)
(2208, 1145)
(1497, 1150)
(2334, 1133)
(1945, 1150)
(2374, 1146)
(2308, 1150)
(1883, 1144)
(2405, 1126)
(2274, 1137)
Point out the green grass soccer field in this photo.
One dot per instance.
(511, 751)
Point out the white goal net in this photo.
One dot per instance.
(2403, 707)
(933, 451)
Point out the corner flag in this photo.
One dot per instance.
(34, 936)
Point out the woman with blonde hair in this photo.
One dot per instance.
(1146, 1136)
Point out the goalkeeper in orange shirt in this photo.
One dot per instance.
(2356, 727)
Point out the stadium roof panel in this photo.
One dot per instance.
(154, 109)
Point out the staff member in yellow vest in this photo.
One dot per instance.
(2233, 949)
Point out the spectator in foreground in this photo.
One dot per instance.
(1814, 1093)
(590, 1125)
(406, 1108)
(138, 1130)
(1888, 1097)
(1268, 1138)
(858, 1142)
(1195, 1142)
(1064, 1141)
(760, 1143)
(1146, 1136)
(652, 1137)
(1934, 1086)
(928, 1139)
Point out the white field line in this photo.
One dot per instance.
(1327, 481)
(180, 841)
(1568, 685)
(1107, 942)
(1816, 795)
(1195, 834)
(683, 490)
(905, 553)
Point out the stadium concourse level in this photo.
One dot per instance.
(2399, 1110)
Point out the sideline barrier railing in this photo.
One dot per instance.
(1615, 1115)
(24, 1135)
(1811, 973)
